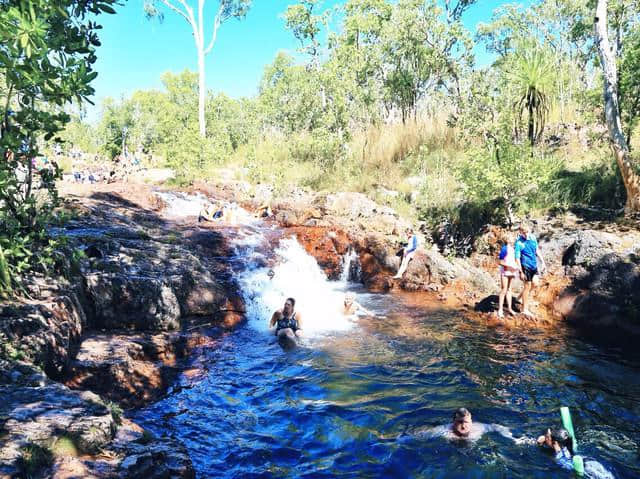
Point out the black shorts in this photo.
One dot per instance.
(529, 273)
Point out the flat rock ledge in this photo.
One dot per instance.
(48, 430)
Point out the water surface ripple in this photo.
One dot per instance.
(347, 404)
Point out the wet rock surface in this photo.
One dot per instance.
(147, 290)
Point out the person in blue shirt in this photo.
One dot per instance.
(408, 252)
(527, 253)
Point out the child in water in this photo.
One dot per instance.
(559, 441)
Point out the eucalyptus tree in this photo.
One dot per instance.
(421, 52)
(204, 31)
(608, 52)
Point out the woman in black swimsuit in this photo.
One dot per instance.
(286, 321)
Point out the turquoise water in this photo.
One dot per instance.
(348, 404)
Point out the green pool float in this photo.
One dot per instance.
(567, 423)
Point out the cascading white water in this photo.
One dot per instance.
(181, 204)
(350, 266)
(296, 275)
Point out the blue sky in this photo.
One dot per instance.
(136, 51)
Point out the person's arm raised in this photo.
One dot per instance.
(274, 319)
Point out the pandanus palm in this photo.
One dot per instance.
(533, 78)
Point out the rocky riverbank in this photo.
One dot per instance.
(594, 266)
(149, 289)
(146, 291)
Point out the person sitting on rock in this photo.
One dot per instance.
(287, 322)
(264, 211)
(351, 306)
(210, 212)
(407, 252)
(508, 271)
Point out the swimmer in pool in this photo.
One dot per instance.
(352, 307)
(288, 324)
(463, 428)
(559, 442)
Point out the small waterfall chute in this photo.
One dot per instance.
(295, 274)
(351, 270)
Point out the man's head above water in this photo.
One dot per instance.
(461, 422)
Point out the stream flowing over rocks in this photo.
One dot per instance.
(153, 286)
(146, 288)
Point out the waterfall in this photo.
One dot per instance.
(296, 274)
(350, 267)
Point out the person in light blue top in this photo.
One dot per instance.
(408, 252)
(527, 253)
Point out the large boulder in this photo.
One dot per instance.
(132, 302)
(129, 369)
(606, 296)
(37, 418)
(46, 333)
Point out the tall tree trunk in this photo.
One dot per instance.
(202, 90)
(531, 130)
(612, 109)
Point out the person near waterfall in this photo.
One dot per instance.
(287, 322)
(352, 307)
(407, 252)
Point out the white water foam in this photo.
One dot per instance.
(183, 205)
(296, 275)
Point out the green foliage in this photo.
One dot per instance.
(513, 174)
(116, 412)
(47, 51)
(630, 83)
(34, 460)
(599, 185)
(532, 75)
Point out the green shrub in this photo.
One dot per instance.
(33, 460)
(596, 186)
(511, 174)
